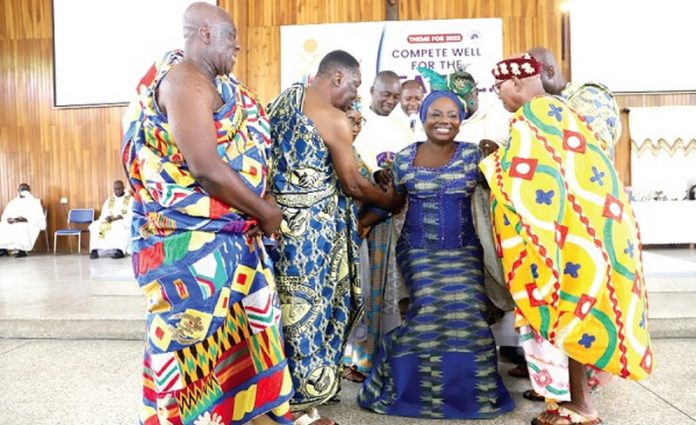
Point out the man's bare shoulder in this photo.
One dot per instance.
(184, 71)
(185, 81)
(322, 113)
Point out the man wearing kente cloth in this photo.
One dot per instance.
(194, 150)
(569, 246)
(316, 181)
(593, 101)
(112, 231)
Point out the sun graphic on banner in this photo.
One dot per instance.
(310, 45)
(310, 56)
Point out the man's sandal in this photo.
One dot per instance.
(573, 417)
(519, 371)
(532, 395)
(311, 416)
(353, 374)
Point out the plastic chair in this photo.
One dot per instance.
(75, 216)
(45, 231)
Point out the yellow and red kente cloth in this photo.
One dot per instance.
(569, 242)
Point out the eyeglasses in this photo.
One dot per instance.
(495, 88)
(357, 123)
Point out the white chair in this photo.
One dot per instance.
(45, 231)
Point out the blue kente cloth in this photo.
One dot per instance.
(441, 363)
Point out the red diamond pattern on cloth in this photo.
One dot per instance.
(574, 142)
(584, 306)
(613, 208)
(523, 168)
(561, 234)
(535, 299)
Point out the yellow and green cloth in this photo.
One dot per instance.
(569, 241)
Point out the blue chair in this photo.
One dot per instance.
(75, 216)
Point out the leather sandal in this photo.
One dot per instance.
(532, 395)
(573, 417)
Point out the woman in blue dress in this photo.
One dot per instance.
(441, 363)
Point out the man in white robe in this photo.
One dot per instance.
(112, 231)
(412, 94)
(382, 135)
(21, 223)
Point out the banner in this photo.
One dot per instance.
(399, 46)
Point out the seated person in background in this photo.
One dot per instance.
(112, 230)
(21, 222)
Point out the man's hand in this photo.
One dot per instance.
(395, 202)
(363, 229)
(270, 222)
(487, 147)
(383, 177)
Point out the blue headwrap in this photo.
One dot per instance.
(435, 95)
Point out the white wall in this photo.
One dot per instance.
(103, 48)
(634, 45)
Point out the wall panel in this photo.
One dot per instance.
(74, 153)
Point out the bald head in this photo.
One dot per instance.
(411, 96)
(551, 75)
(119, 188)
(210, 37)
(203, 14)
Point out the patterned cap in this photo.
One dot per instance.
(522, 67)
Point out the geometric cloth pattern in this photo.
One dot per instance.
(548, 368)
(597, 106)
(381, 285)
(441, 362)
(316, 261)
(214, 351)
(569, 241)
(381, 291)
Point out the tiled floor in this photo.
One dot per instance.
(73, 287)
(60, 382)
(89, 314)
